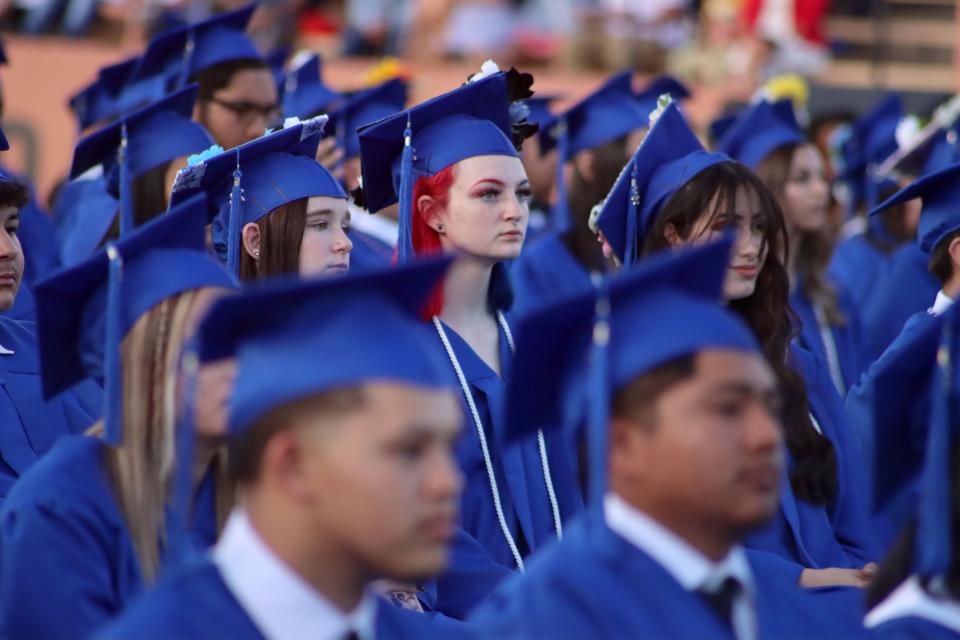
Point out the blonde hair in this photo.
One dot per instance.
(140, 469)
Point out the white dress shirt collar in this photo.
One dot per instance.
(692, 569)
(941, 304)
(911, 599)
(281, 604)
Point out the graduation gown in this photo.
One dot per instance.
(595, 584)
(67, 562)
(545, 271)
(846, 340)
(911, 613)
(29, 425)
(855, 265)
(195, 603)
(816, 536)
(904, 288)
(520, 481)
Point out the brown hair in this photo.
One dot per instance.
(281, 233)
(246, 450)
(712, 192)
(813, 249)
(941, 262)
(13, 194)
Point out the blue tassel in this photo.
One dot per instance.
(181, 548)
(633, 213)
(560, 217)
(113, 371)
(183, 74)
(405, 213)
(233, 227)
(127, 223)
(598, 397)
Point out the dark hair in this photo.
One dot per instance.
(941, 262)
(281, 233)
(583, 194)
(711, 192)
(898, 565)
(893, 222)
(149, 193)
(813, 249)
(13, 194)
(245, 452)
(220, 75)
(638, 398)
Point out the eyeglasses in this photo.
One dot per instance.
(246, 111)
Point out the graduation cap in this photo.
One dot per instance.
(365, 107)
(933, 546)
(472, 120)
(304, 93)
(181, 53)
(940, 215)
(866, 143)
(135, 144)
(610, 112)
(248, 182)
(669, 157)
(719, 126)
(943, 150)
(759, 131)
(540, 113)
(90, 105)
(87, 213)
(666, 307)
(277, 60)
(84, 312)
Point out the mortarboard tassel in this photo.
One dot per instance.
(180, 546)
(233, 229)
(598, 414)
(633, 215)
(405, 214)
(183, 74)
(127, 223)
(113, 371)
(560, 218)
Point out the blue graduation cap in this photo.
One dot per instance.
(759, 131)
(137, 143)
(248, 182)
(933, 546)
(84, 312)
(181, 53)
(665, 307)
(472, 120)
(940, 215)
(277, 60)
(88, 209)
(943, 150)
(719, 126)
(612, 111)
(871, 139)
(90, 105)
(668, 158)
(304, 93)
(365, 107)
(540, 113)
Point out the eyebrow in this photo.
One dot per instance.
(320, 212)
(742, 389)
(498, 182)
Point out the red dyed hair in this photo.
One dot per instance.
(426, 241)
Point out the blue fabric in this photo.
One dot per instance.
(815, 536)
(848, 339)
(912, 628)
(68, 563)
(903, 288)
(196, 604)
(368, 253)
(85, 210)
(854, 267)
(759, 131)
(24, 305)
(304, 93)
(545, 272)
(30, 424)
(938, 217)
(595, 584)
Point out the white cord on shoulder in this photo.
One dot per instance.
(483, 443)
(542, 443)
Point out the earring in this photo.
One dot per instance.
(256, 254)
(439, 228)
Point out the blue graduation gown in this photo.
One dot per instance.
(195, 603)
(814, 536)
(913, 628)
(855, 265)
(67, 562)
(24, 305)
(545, 271)
(521, 484)
(368, 253)
(847, 339)
(905, 287)
(595, 584)
(31, 425)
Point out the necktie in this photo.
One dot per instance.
(721, 599)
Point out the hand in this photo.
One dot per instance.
(403, 595)
(328, 154)
(836, 577)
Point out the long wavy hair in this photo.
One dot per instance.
(767, 311)
(813, 248)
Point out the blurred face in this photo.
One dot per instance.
(11, 257)
(351, 173)
(488, 208)
(382, 482)
(241, 111)
(722, 423)
(325, 248)
(541, 169)
(806, 193)
(749, 250)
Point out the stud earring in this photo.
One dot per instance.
(256, 254)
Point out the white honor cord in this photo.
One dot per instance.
(485, 450)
